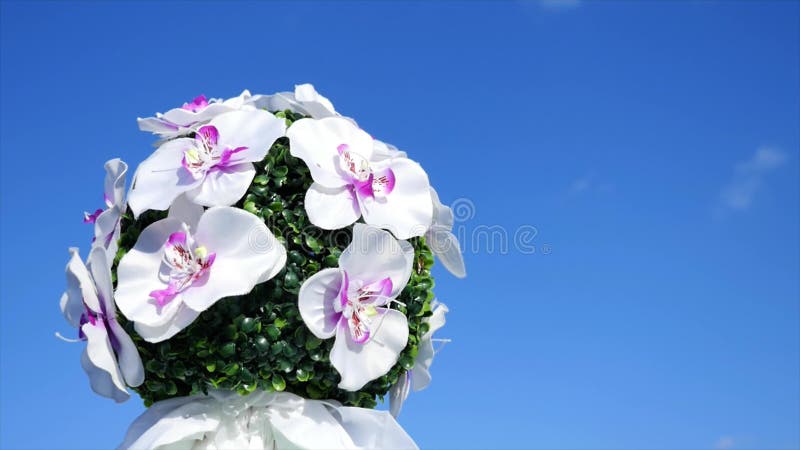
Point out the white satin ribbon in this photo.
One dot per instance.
(262, 420)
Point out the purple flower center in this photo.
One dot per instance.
(187, 263)
(206, 155)
(357, 305)
(364, 181)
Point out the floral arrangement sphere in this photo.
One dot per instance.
(270, 260)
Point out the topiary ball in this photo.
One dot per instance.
(259, 340)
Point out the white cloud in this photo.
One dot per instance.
(724, 443)
(749, 177)
(559, 5)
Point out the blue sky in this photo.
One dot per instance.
(653, 146)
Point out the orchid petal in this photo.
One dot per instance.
(161, 127)
(115, 181)
(331, 208)
(304, 100)
(279, 101)
(421, 375)
(100, 270)
(382, 151)
(107, 232)
(80, 290)
(442, 215)
(407, 211)
(398, 393)
(358, 364)
(240, 101)
(316, 143)
(128, 359)
(409, 253)
(181, 319)
(445, 246)
(161, 178)
(100, 364)
(185, 118)
(316, 301)
(373, 255)
(255, 129)
(186, 211)
(245, 249)
(317, 105)
(223, 187)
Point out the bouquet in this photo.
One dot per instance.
(264, 281)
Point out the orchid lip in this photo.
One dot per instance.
(188, 262)
(206, 156)
(357, 306)
(364, 180)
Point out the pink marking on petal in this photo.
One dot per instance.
(383, 183)
(91, 218)
(164, 296)
(364, 188)
(360, 334)
(209, 261)
(225, 158)
(197, 104)
(344, 288)
(108, 201)
(208, 134)
(342, 148)
(178, 238)
(377, 292)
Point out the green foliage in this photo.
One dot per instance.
(259, 340)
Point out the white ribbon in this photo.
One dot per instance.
(262, 420)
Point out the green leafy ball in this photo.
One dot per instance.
(258, 340)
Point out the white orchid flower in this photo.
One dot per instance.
(110, 359)
(214, 168)
(181, 266)
(185, 119)
(419, 377)
(262, 420)
(352, 304)
(441, 240)
(304, 100)
(349, 183)
(107, 221)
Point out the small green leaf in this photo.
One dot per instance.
(280, 171)
(231, 369)
(228, 349)
(312, 342)
(250, 207)
(273, 332)
(278, 383)
(248, 325)
(302, 375)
